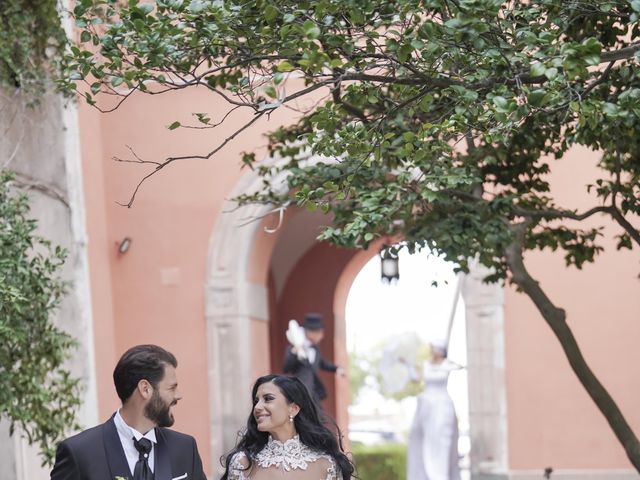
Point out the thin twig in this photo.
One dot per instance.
(170, 160)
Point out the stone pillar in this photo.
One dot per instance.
(41, 145)
(231, 302)
(487, 392)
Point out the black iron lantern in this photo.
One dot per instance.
(389, 265)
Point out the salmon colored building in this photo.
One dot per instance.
(209, 283)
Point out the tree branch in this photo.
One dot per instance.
(622, 54)
(624, 223)
(169, 160)
(335, 93)
(556, 319)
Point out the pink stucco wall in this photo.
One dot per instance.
(99, 250)
(154, 292)
(551, 420)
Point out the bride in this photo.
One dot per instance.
(285, 437)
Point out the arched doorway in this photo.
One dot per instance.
(484, 313)
(237, 313)
(255, 283)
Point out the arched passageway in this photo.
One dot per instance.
(256, 281)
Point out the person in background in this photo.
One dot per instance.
(304, 362)
(432, 452)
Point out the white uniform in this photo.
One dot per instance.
(433, 439)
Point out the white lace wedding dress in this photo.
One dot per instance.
(289, 460)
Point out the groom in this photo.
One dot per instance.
(306, 366)
(135, 443)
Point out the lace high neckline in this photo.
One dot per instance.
(292, 440)
(290, 455)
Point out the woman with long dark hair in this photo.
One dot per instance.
(286, 438)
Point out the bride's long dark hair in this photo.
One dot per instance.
(309, 424)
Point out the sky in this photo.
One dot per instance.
(376, 312)
(410, 305)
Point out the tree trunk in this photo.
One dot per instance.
(556, 319)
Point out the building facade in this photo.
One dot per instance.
(209, 282)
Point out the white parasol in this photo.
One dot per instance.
(399, 352)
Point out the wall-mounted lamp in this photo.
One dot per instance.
(124, 245)
(389, 265)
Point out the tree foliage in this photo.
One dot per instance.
(436, 120)
(32, 42)
(36, 392)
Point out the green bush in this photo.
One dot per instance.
(32, 42)
(380, 462)
(37, 392)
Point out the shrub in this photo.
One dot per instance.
(380, 462)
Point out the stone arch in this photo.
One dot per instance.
(232, 300)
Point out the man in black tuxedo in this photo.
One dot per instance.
(305, 365)
(135, 443)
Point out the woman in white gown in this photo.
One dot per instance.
(433, 439)
(285, 437)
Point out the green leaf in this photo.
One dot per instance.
(174, 125)
(196, 6)
(285, 67)
(405, 52)
(537, 69)
(270, 13)
(610, 109)
(500, 102)
(551, 73)
(536, 97)
(311, 29)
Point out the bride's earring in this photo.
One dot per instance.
(291, 418)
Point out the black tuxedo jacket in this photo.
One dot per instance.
(97, 454)
(307, 371)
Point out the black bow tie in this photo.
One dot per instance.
(142, 470)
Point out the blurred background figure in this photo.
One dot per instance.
(303, 359)
(432, 452)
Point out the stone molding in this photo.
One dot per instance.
(562, 475)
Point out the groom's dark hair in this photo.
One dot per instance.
(142, 362)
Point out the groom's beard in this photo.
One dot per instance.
(158, 411)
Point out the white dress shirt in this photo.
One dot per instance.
(127, 434)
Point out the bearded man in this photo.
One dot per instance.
(135, 442)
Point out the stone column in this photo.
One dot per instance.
(487, 392)
(41, 145)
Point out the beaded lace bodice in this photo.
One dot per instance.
(291, 459)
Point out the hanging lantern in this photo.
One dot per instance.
(389, 265)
